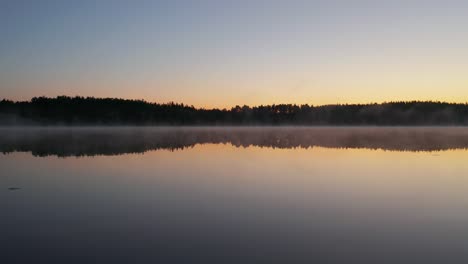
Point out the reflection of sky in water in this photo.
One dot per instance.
(218, 200)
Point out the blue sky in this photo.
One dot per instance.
(222, 53)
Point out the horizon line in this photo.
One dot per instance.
(240, 105)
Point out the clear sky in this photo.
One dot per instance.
(222, 53)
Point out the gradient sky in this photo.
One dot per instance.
(223, 53)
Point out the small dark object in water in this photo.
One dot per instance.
(13, 188)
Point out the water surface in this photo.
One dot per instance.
(139, 195)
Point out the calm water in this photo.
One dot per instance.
(239, 195)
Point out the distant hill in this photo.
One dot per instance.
(65, 110)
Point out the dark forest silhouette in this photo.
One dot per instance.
(65, 110)
(65, 142)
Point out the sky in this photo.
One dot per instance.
(214, 53)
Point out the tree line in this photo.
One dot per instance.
(64, 110)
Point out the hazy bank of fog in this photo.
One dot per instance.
(88, 141)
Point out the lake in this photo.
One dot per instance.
(234, 195)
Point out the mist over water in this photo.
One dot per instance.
(234, 195)
(90, 141)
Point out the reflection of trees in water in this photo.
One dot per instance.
(64, 142)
